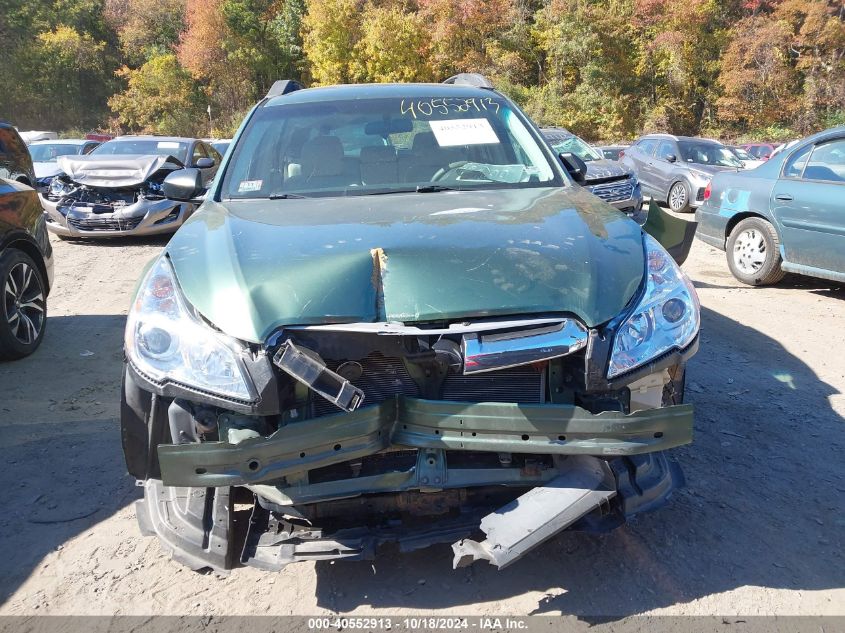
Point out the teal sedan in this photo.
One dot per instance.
(787, 215)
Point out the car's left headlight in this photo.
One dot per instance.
(167, 341)
(666, 318)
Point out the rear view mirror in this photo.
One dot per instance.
(671, 158)
(204, 163)
(384, 128)
(575, 166)
(183, 185)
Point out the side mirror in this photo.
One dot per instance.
(575, 166)
(671, 158)
(204, 163)
(183, 185)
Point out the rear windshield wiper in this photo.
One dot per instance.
(284, 196)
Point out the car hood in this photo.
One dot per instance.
(46, 169)
(126, 170)
(709, 169)
(251, 266)
(604, 170)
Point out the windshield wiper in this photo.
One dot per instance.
(284, 196)
(434, 188)
(418, 189)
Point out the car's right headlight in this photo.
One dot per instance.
(666, 318)
(168, 342)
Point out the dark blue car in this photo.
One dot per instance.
(787, 215)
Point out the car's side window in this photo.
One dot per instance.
(827, 162)
(647, 146)
(795, 164)
(199, 152)
(665, 149)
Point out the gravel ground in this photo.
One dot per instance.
(758, 530)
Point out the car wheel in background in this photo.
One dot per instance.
(679, 198)
(23, 305)
(753, 252)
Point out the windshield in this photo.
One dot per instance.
(707, 154)
(177, 149)
(578, 147)
(221, 146)
(49, 152)
(741, 154)
(388, 145)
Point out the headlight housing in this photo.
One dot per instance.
(57, 188)
(168, 342)
(666, 318)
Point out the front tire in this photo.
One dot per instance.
(678, 199)
(23, 305)
(753, 253)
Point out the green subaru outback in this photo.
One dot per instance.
(397, 317)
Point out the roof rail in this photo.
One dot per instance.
(470, 79)
(283, 87)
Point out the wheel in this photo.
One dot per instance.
(673, 391)
(753, 253)
(679, 198)
(24, 305)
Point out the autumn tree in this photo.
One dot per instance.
(145, 27)
(330, 31)
(393, 46)
(161, 98)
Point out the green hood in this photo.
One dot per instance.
(250, 266)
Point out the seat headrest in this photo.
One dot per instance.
(378, 154)
(424, 141)
(322, 156)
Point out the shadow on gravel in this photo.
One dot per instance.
(60, 448)
(120, 242)
(762, 507)
(813, 285)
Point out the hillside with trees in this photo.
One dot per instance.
(603, 68)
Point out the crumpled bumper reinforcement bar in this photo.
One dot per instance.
(552, 429)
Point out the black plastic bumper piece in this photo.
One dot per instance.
(645, 482)
(194, 524)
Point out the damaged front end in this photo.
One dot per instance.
(327, 441)
(113, 197)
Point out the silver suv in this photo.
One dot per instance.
(677, 169)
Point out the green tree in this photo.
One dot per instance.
(161, 98)
(393, 47)
(330, 30)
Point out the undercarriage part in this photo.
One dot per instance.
(313, 372)
(272, 543)
(194, 524)
(540, 513)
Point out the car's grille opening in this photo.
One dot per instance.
(386, 377)
(614, 191)
(170, 217)
(104, 224)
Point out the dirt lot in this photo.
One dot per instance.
(758, 530)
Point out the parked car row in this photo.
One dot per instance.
(788, 215)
